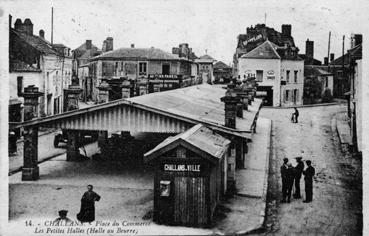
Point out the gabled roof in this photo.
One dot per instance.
(312, 71)
(266, 50)
(138, 53)
(205, 59)
(82, 52)
(354, 53)
(36, 42)
(199, 137)
(221, 65)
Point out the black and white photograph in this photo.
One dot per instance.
(160, 117)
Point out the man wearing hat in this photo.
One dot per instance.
(284, 175)
(309, 173)
(62, 220)
(299, 168)
(290, 174)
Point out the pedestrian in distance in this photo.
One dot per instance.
(284, 169)
(290, 174)
(299, 168)
(296, 115)
(309, 174)
(87, 212)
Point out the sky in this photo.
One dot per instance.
(211, 26)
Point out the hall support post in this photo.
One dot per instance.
(73, 145)
(30, 170)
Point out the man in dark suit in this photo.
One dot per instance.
(309, 173)
(299, 168)
(290, 175)
(284, 176)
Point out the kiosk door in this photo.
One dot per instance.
(190, 206)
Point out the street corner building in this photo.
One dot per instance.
(190, 176)
(272, 58)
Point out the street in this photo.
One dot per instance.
(336, 208)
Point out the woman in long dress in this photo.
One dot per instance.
(87, 212)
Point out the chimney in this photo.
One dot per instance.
(286, 30)
(28, 26)
(132, 45)
(332, 57)
(18, 25)
(109, 44)
(41, 33)
(356, 39)
(309, 50)
(88, 44)
(325, 60)
(175, 51)
(10, 21)
(103, 48)
(230, 107)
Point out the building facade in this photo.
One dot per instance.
(222, 72)
(206, 68)
(35, 61)
(278, 73)
(152, 68)
(318, 85)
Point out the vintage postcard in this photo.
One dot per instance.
(158, 117)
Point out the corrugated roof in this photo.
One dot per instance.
(310, 71)
(266, 50)
(138, 53)
(200, 137)
(200, 102)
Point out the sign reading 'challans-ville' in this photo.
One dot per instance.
(184, 167)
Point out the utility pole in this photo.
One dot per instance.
(52, 25)
(265, 18)
(329, 46)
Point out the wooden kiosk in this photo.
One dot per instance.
(190, 176)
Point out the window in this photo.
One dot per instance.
(287, 95)
(19, 85)
(326, 82)
(165, 69)
(259, 75)
(295, 76)
(287, 76)
(295, 95)
(142, 68)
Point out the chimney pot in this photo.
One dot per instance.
(88, 44)
(132, 45)
(332, 57)
(42, 33)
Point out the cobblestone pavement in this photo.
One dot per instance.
(336, 208)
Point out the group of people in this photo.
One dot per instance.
(87, 211)
(292, 175)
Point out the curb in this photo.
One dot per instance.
(260, 227)
(42, 134)
(12, 172)
(303, 106)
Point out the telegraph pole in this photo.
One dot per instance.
(52, 25)
(329, 45)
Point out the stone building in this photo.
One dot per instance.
(318, 85)
(143, 70)
(222, 72)
(278, 70)
(206, 68)
(35, 61)
(81, 67)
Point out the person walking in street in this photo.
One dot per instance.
(299, 168)
(284, 169)
(290, 175)
(309, 173)
(87, 212)
(296, 115)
